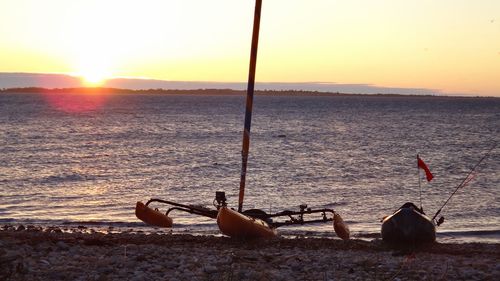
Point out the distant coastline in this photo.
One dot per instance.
(210, 92)
(9, 80)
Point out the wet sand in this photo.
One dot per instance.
(36, 253)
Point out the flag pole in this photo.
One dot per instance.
(249, 102)
(419, 186)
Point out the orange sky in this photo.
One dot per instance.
(449, 45)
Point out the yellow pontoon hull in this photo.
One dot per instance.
(152, 217)
(340, 227)
(237, 225)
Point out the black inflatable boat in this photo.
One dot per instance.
(408, 226)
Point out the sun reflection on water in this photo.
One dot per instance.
(75, 102)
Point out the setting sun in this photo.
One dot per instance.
(93, 67)
(93, 79)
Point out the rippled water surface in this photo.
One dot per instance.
(75, 159)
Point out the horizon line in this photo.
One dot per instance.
(65, 80)
(211, 91)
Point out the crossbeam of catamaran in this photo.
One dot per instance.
(253, 223)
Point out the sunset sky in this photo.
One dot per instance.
(448, 45)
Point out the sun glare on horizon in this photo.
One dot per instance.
(92, 67)
(93, 79)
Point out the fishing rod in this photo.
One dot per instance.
(464, 182)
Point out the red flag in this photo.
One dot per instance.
(422, 165)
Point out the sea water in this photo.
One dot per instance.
(69, 159)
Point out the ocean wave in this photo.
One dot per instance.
(69, 177)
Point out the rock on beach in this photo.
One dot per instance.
(33, 253)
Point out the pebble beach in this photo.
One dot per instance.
(49, 253)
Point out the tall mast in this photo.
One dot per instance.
(249, 102)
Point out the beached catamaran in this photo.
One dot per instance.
(253, 223)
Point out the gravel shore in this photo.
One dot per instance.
(36, 253)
